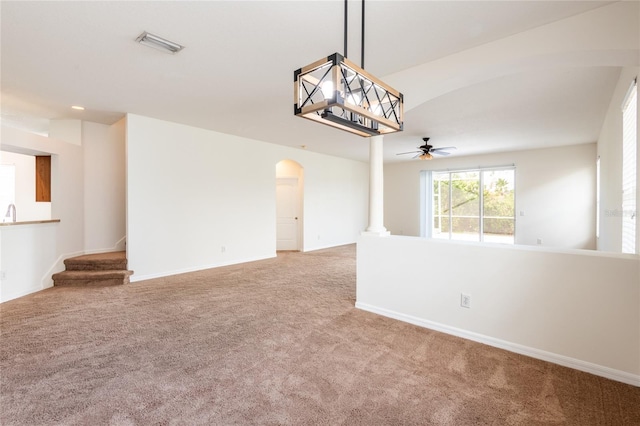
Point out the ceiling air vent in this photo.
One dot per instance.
(159, 43)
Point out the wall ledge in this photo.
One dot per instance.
(29, 222)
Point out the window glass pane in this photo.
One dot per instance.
(461, 212)
(7, 186)
(440, 205)
(498, 206)
(629, 141)
(465, 206)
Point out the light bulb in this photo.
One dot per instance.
(327, 89)
(353, 99)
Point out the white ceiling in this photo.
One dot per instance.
(235, 74)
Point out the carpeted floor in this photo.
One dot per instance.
(268, 343)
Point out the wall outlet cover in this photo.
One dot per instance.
(465, 300)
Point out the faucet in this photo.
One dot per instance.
(11, 213)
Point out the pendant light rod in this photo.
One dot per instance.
(337, 92)
(362, 39)
(346, 31)
(346, 8)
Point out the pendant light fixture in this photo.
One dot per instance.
(337, 92)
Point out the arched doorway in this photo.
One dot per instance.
(289, 192)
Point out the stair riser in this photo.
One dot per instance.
(94, 270)
(94, 266)
(91, 283)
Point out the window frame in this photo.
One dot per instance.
(629, 243)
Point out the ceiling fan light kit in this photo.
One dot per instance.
(426, 151)
(336, 92)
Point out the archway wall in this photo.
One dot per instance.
(289, 169)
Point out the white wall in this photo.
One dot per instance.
(192, 191)
(103, 146)
(555, 188)
(572, 307)
(67, 187)
(335, 199)
(610, 152)
(104, 186)
(69, 131)
(32, 273)
(26, 206)
(26, 254)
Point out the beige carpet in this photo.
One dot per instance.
(268, 343)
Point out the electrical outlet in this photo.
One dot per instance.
(223, 249)
(539, 241)
(3, 275)
(465, 300)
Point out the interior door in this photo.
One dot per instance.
(287, 214)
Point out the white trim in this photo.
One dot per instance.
(136, 278)
(426, 203)
(627, 96)
(475, 169)
(21, 294)
(58, 266)
(324, 247)
(598, 370)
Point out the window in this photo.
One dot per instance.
(598, 197)
(629, 142)
(7, 187)
(471, 205)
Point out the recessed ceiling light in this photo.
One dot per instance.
(78, 107)
(159, 43)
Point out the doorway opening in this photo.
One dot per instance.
(289, 202)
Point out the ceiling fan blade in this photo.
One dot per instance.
(410, 152)
(434, 152)
(444, 148)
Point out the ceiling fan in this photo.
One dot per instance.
(428, 151)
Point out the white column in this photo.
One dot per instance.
(376, 189)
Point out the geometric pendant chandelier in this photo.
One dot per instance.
(336, 92)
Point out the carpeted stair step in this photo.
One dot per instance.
(97, 262)
(91, 278)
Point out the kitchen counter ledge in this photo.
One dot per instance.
(29, 222)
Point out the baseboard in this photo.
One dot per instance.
(121, 245)
(577, 364)
(316, 248)
(137, 278)
(118, 246)
(58, 266)
(25, 292)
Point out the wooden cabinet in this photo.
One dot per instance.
(43, 178)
